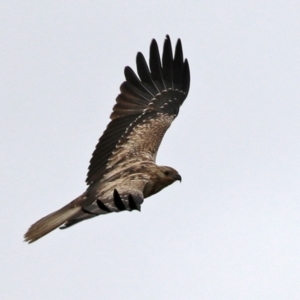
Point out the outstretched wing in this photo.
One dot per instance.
(144, 110)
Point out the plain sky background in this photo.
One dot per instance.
(231, 229)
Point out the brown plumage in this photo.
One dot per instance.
(122, 170)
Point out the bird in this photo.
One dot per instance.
(123, 170)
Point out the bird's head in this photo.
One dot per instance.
(168, 175)
(161, 177)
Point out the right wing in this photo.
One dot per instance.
(144, 111)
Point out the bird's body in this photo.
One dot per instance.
(122, 170)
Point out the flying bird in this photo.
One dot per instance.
(122, 170)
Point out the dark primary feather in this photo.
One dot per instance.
(167, 61)
(162, 89)
(145, 75)
(102, 206)
(118, 201)
(133, 205)
(155, 66)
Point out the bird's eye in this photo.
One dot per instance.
(167, 173)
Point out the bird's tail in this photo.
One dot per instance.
(53, 220)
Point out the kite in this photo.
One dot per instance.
(122, 170)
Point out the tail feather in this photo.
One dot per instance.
(54, 220)
(49, 223)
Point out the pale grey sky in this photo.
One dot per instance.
(231, 229)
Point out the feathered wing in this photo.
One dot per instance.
(144, 110)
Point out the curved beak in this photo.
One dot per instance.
(178, 177)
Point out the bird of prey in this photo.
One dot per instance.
(122, 170)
